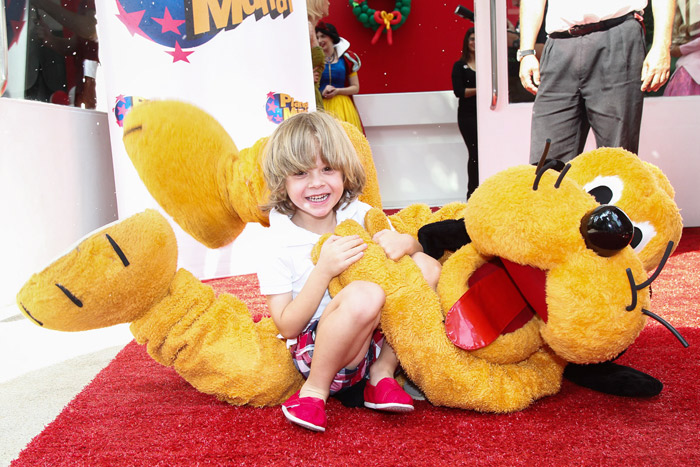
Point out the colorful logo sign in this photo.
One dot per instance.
(162, 22)
(280, 107)
(186, 24)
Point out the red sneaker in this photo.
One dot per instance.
(387, 395)
(309, 412)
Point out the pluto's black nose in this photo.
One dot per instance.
(607, 230)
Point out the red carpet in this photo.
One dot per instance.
(139, 413)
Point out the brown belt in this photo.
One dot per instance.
(583, 29)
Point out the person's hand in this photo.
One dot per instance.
(530, 73)
(338, 253)
(317, 76)
(329, 91)
(396, 245)
(656, 69)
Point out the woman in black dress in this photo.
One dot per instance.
(464, 87)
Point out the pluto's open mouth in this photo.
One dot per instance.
(502, 297)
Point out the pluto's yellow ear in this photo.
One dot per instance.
(184, 157)
(192, 168)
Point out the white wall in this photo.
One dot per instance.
(418, 150)
(56, 185)
(670, 139)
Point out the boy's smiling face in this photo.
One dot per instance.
(315, 193)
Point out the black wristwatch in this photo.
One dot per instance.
(521, 53)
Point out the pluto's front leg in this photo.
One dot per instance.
(215, 345)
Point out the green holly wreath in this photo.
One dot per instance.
(381, 20)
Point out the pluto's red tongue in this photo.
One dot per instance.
(531, 282)
(502, 297)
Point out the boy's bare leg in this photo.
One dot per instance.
(343, 335)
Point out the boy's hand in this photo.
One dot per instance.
(338, 253)
(396, 245)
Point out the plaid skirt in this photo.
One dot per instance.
(303, 351)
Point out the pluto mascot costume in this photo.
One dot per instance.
(543, 267)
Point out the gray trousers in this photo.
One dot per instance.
(591, 81)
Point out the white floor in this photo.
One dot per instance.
(42, 370)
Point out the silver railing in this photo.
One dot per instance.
(494, 56)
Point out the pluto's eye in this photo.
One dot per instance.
(608, 190)
(605, 189)
(118, 250)
(643, 233)
(602, 194)
(70, 295)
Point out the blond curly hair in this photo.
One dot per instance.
(293, 147)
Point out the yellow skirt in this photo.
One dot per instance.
(343, 109)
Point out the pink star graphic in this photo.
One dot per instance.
(120, 97)
(168, 23)
(270, 94)
(120, 111)
(179, 54)
(131, 20)
(271, 106)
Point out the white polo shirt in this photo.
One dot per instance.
(564, 14)
(286, 265)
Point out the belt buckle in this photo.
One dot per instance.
(579, 30)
